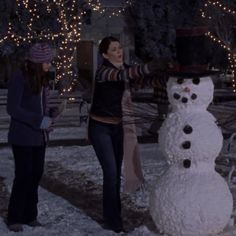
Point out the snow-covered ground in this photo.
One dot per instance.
(58, 216)
(76, 171)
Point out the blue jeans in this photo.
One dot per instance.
(29, 165)
(107, 141)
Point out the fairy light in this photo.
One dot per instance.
(221, 6)
(69, 22)
(222, 43)
(67, 37)
(94, 5)
(232, 60)
(109, 11)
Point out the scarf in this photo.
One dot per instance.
(132, 170)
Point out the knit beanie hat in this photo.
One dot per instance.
(40, 53)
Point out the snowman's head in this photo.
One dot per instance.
(190, 92)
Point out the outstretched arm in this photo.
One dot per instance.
(105, 73)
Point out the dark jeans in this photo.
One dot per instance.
(29, 164)
(107, 141)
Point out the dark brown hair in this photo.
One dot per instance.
(35, 76)
(104, 45)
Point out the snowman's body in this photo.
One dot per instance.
(190, 199)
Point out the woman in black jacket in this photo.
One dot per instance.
(105, 124)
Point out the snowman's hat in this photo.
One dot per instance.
(192, 53)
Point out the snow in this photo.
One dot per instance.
(205, 138)
(191, 204)
(185, 201)
(59, 215)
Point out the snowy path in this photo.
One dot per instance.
(57, 215)
(76, 172)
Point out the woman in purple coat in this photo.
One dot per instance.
(27, 105)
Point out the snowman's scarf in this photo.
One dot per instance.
(133, 174)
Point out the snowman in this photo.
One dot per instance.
(190, 198)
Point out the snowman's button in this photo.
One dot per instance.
(187, 163)
(184, 100)
(194, 96)
(186, 144)
(188, 129)
(176, 96)
(180, 80)
(196, 80)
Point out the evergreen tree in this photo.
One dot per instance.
(154, 23)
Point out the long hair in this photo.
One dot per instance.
(35, 76)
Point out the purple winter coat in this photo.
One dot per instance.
(26, 111)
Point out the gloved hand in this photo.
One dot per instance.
(46, 122)
(160, 64)
(54, 112)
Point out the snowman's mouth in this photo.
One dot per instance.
(185, 99)
(186, 163)
(177, 96)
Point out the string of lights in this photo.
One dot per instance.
(109, 11)
(66, 55)
(222, 42)
(220, 5)
(66, 35)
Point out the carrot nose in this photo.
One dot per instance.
(187, 89)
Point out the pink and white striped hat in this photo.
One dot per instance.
(40, 53)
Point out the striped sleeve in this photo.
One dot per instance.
(155, 80)
(112, 74)
(139, 71)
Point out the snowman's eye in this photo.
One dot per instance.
(186, 144)
(184, 100)
(176, 96)
(196, 80)
(180, 80)
(188, 129)
(194, 96)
